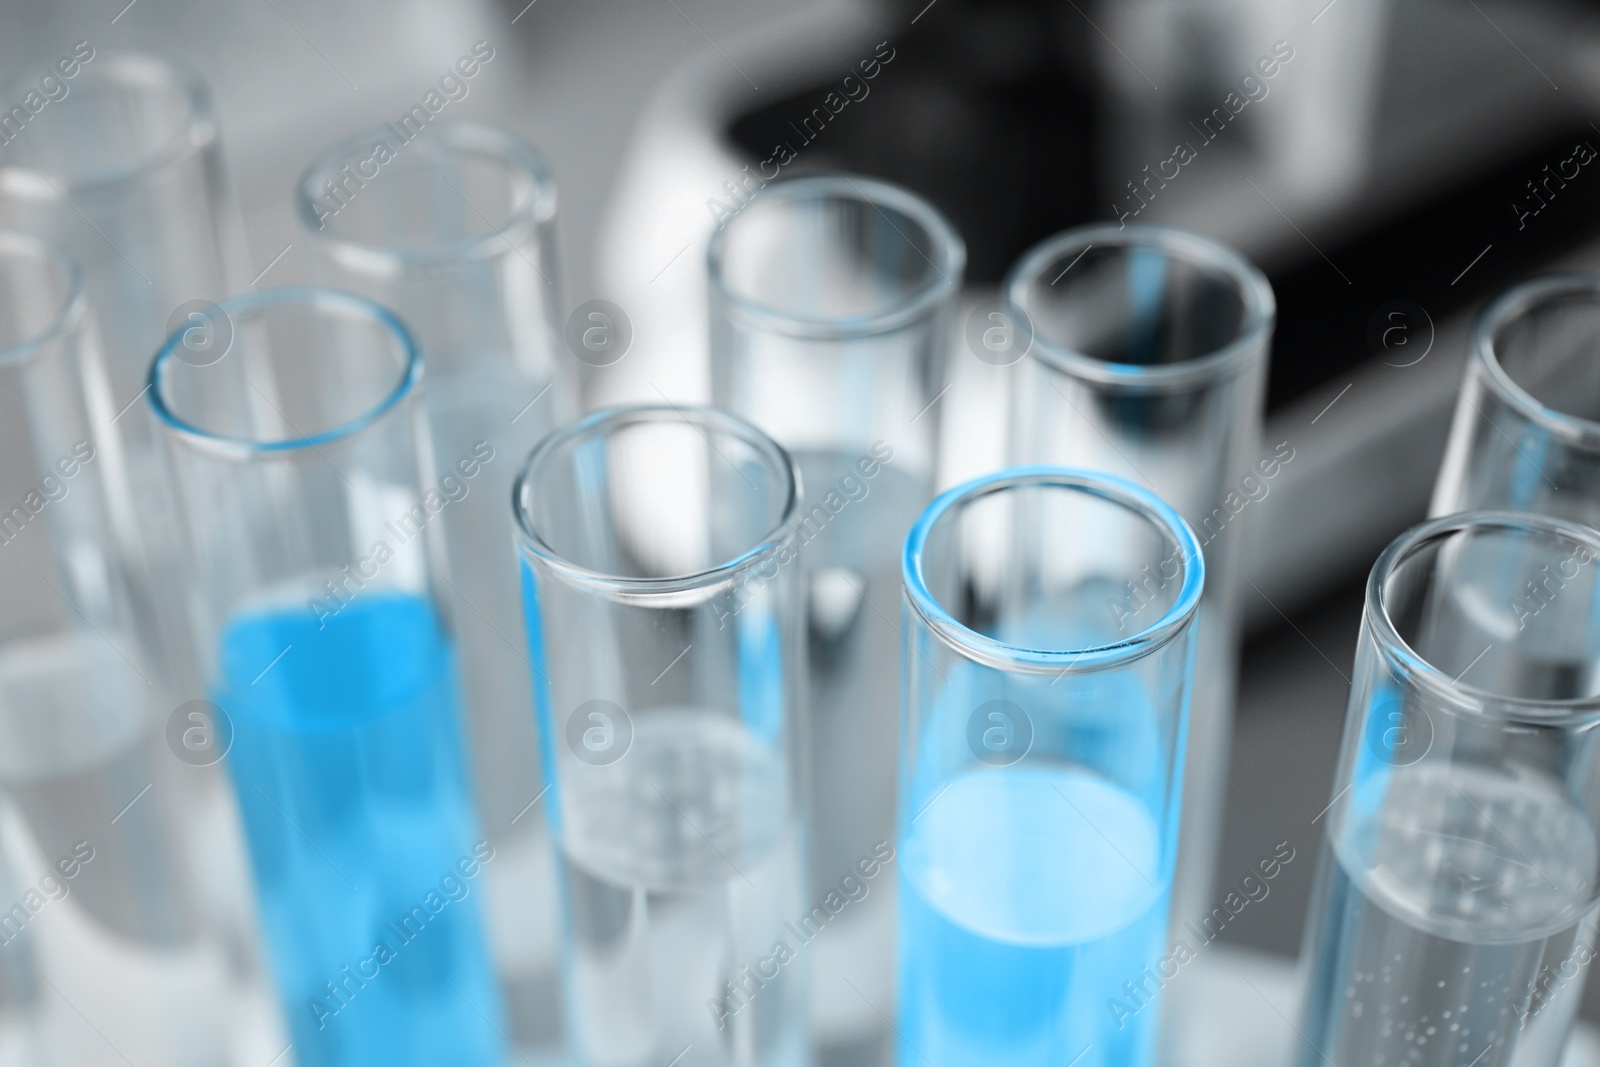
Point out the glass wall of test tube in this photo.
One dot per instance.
(1042, 752)
(1146, 357)
(456, 232)
(832, 301)
(311, 499)
(662, 590)
(1460, 869)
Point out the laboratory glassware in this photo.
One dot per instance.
(106, 935)
(1454, 906)
(831, 306)
(1146, 357)
(662, 593)
(1049, 654)
(455, 230)
(121, 166)
(1526, 432)
(311, 502)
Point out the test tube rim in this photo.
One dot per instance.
(194, 135)
(951, 251)
(1252, 341)
(708, 579)
(1510, 305)
(1462, 696)
(524, 222)
(1000, 655)
(237, 308)
(73, 309)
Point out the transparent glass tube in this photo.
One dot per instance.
(1148, 359)
(95, 824)
(1526, 434)
(302, 462)
(125, 173)
(663, 618)
(831, 307)
(123, 169)
(1455, 905)
(456, 231)
(1049, 654)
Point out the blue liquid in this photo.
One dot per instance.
(1028, 897)
(348, 766)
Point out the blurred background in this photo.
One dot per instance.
(1401, 163)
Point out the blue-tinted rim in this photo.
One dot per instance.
(949, 259)
(1255, 293)
(1512, 304)
(606, 420)
(73, 309)
(1578, 712)
(1108, 487)
(238, 309)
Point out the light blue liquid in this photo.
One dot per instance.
(348, 766)
(1029, 896)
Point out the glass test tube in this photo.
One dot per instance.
(94, 829)
(456, 231)
(831, 308)
(1526, 433)
(663, 618)
(1148, 360)
(123, 169)
(1454, 909)
(302, 463)
(1048, 659)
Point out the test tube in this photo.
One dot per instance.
(1454, 909)
(105, 938)
(456, 231)
(1526, 433)
(1048, 661)
(663, 620)
(301, 457)
(121, 166)
(831, 307)
(1147, 356)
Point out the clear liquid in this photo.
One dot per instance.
(348, 767)
(681, 865)
(853, 699)
(115, 960)
(1450, 920)
(1029, 897)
